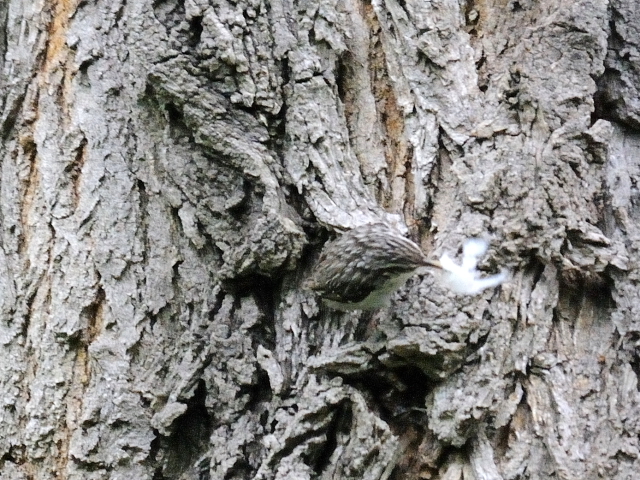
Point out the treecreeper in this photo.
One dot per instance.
(363, 267)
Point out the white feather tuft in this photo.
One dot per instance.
(465, 278)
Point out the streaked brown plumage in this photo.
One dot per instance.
(362, 268)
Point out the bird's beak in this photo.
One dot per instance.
(434, 264)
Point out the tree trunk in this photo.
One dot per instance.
(170, 170)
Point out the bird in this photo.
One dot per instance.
(363, 267)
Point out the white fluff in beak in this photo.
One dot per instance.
(464, 278)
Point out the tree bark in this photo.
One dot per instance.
(170, 170)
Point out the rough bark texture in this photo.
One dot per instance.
(170, 169)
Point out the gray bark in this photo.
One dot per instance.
(170, 169)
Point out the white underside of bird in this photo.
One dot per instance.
(465, 278)
(376, 299)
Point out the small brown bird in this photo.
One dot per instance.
(363, 267)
